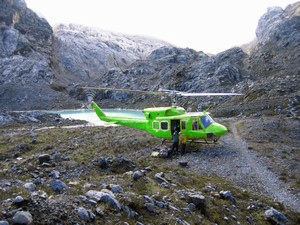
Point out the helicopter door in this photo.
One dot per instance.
(175, 124)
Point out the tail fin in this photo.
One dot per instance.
(98, 111)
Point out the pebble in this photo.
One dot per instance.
(22, 217)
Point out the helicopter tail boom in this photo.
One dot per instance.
(98, 111)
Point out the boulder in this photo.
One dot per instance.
(30, 186)
(58, 186)
(44, 158)
(19, 199)
(103, 163)
(4, 222)
(150, 207)
(199, 202)
(86, 214)
(22, 217)
(227, 195)
(111, 201)
(94, 194)
(273, 214)
(115, 188)
(104, 196)
(55, 174)
(137, 175)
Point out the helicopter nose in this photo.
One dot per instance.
(220, 130)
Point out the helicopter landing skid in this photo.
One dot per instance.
(206, 141)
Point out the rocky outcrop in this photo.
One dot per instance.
(25, 57)
(86, 53)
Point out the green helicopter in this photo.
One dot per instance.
(161, 122)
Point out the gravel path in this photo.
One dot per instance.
(232, 160)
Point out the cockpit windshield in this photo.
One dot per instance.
(206, 121)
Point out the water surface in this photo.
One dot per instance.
(90, 116)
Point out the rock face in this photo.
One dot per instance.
(85, 53)
(25, 57)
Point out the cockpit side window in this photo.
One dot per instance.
(206, 121)
(196, 125)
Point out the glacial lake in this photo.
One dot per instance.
(90, 116)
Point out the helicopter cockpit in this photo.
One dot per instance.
(206, 121)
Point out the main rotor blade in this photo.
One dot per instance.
(127, 90)
(206, 94)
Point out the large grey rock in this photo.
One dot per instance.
(115, 188)
(55, 174)
(86, 214)
(150, 207)
(111, 201)
(103, 163)
(137, 175)
(22, 217)
(104, 196)
(30, 186)
(97, 195)
(227, 195)
(4, 222)
(58, 186)
(276, 215)
(199, 201)
(19, 199)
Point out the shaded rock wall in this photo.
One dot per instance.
(25, 58)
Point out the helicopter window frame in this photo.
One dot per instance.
(155, 125)
(183, 125)
(164, 125)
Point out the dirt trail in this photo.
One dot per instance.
(232, 160)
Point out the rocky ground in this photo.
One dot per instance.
(83, 175)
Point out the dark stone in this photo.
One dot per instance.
(199, 202)
(103, 162)
(45, 158)
(183, 163)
